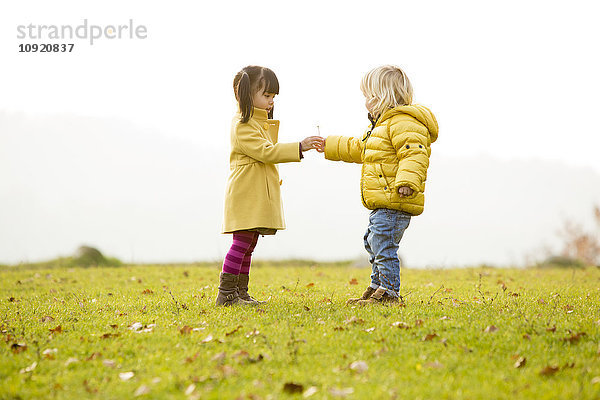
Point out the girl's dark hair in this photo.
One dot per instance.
(250, 80)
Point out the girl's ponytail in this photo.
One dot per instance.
(244, 95)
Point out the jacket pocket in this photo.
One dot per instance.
(384, 185)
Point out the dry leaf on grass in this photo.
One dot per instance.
(125, 376)
(521, 361)
(490, 329)
(186, 330)
(401, 325)
(291, 387)
(359, 366)
(353, 281)
(142, 390)
(549, 370)
(354, 320)
(429, 336)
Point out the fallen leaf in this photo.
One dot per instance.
(70, 361)
(233, 331)
(58, 329)
(11, 299)
(307, 309)
(125, 376)
(147, 291)
(353, 281)
(109, 363)
(190, 389)
(595, 380)
(490, 329)
(445, 318)
(291, 387)
(185, 330)
(47, 318)
(50, 353)
(549, 370)
(18, 347)
(418, 322)
(359, 366)
(574, 338)
(207, 339)
(109, 335)
(94, 356)
(310, 285)
(29, 368)
(136, 326)
(312, 390)
(400, 325)
(428, 337)
(370, 329)
(142, 390)
(186, 274)
(526, 336)
(354, 320)
(553, 329)
(521, 361)
(339, 328)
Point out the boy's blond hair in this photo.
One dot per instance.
(388, 87)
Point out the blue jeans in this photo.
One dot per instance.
(383, 235)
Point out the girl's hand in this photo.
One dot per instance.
(405, 191)
(312, 142)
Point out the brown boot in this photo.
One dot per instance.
(364, 296)
(380, 296)
(228, 292)
(243, 290)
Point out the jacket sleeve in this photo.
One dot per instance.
(254, 145)
(344, 148)
(413, 150)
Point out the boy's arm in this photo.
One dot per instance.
(413, 152)
(344, 148)
(254, 145)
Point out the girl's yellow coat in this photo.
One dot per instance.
(394, 153)
(252, 197)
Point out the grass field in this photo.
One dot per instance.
(153, 332)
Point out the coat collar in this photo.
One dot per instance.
(258, 114)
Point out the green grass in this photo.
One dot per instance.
(304, 334)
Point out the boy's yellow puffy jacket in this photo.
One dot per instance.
(394, 153)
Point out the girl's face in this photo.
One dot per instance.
(263, 100)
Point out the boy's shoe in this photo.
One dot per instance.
(380, 296)
(228, 291)
(243, 290)
(364, 296)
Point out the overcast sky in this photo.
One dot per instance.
(507, 80)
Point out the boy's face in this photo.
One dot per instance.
(264, 100)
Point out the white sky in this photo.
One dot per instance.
(506, 79)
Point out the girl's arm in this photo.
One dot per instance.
(413, 150)
(344, 148)
(254, 145)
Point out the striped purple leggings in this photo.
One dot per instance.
(237, 261)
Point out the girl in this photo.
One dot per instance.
(394, 154)
(252, 199)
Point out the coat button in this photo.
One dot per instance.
(385, 188)
(407, 146)
(266, 125)
(280, 182)
(380, 176)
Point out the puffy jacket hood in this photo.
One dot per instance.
(420, 113)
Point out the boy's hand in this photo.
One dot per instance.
(312, 142)
(405, 191)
